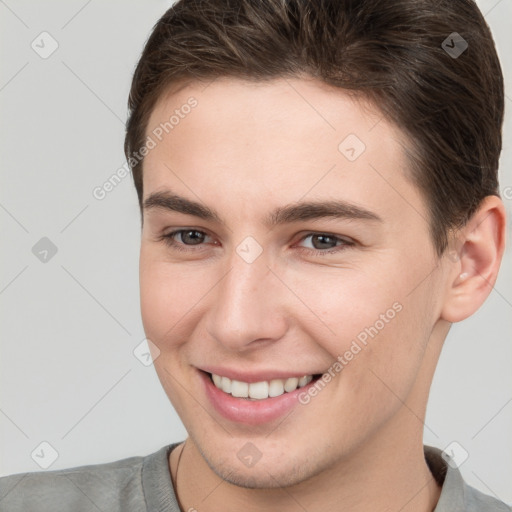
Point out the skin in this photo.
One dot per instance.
(244, 150)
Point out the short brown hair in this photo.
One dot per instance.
(389, 51)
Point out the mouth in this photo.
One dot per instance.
(260, 390)
(255, 403)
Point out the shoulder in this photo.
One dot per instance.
(480, 502)
(112, 486)
(456, 494)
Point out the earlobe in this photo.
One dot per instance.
(473, 272)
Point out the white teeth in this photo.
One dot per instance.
(260, 390)
(276, 387)
(291, 384)
(239, 389)
(305, 380)
(217, 379)
(225, 385)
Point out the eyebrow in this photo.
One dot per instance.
(296, 212)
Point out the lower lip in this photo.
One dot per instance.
(251, 412)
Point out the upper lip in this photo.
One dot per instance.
(254, 375)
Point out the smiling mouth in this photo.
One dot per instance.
(260, 390)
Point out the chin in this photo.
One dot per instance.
(249, 481)
(260, 479)
(270, 474)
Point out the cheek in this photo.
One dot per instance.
(167, 294)
(347, 304)
(371, 321)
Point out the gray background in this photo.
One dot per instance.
(69, 325)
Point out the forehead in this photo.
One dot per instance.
(276, 141)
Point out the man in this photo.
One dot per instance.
(319, 199)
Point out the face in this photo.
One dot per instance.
(282, 239)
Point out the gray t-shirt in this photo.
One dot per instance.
(139, 484)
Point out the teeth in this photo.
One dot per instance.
(276, 387)
(217, 379)
(304, 380)
(225, 384)
(260, 390)
(291, 384)
(239, 389)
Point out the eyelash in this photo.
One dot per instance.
(169, 240)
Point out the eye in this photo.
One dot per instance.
(325, 243)
(189, 237)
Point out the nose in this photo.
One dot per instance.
(249, 305)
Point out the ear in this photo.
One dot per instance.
(475, 261)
